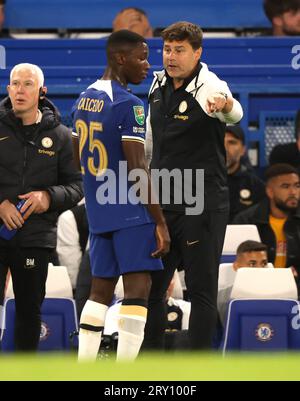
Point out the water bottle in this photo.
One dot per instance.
(7, 234)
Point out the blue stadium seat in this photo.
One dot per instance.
(228, 258)
(59, 322)
(262, 325)
(234, 236)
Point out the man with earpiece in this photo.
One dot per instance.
(38, 180)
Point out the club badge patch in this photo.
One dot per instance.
(47, 142)
(45, 331)
(139, 114)
(264, 332)
(183, 106)
(245, 194)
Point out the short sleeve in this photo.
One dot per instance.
(132, 120)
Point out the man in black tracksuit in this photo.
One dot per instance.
(189, 106)
(36, 165)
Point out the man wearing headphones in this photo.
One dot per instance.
(36, 168)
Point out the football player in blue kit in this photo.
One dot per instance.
(127, 236)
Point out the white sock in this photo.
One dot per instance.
(91, 326)
(132, 320)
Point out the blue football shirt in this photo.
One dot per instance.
(103, 116)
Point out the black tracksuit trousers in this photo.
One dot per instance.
(29, 268)
(196, 246)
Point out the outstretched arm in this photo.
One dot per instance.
(135, 156)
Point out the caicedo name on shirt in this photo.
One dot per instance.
(90, 104)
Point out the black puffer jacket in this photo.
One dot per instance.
(42, 160)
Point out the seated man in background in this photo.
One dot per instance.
(135, 20)
(248, 254)
(288, 152)
(245, 188)
(251, 254)
(284, 16)
(278, 217)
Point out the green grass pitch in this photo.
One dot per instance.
(153, 367)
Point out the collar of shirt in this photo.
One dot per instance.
(187, 80)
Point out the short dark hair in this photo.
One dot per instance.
(279, 169)
(120, 40)
(237, 131)
(184, 30)
(251, 246)
(297, 125)
(274, 8)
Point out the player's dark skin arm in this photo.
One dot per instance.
(135, 156)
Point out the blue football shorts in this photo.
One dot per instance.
(124, 251)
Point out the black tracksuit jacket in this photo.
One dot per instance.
(186, 137)
(39, 160)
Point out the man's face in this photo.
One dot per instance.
(284, 191)
(290, 23)
(180, 59)
(234, 150)
(136, 64)
(251, 259)
(24, 90)
(133, 21)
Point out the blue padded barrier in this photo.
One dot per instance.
(275, 127)
(99, 14)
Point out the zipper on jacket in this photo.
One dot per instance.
(24, 167)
